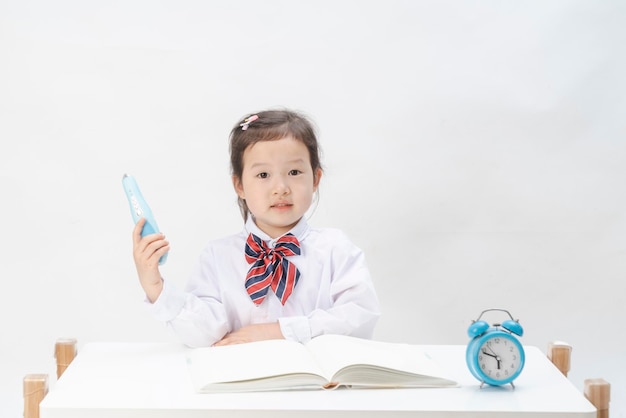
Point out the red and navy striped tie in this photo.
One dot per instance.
(271, 268)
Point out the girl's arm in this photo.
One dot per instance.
(196, 315)
(347, 301)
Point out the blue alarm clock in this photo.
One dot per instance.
(494, 354)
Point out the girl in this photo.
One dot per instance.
(279, 277)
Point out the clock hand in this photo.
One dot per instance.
(497, 357)
(489, 354)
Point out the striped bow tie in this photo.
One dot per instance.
(271, 268)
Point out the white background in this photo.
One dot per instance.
(474, 149)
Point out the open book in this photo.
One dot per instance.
(327, 361)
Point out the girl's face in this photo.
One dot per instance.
(277, 183)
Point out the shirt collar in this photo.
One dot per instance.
(300, 230)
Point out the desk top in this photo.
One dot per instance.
(151, 380)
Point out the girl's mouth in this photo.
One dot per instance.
(281, 205)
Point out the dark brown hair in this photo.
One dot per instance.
(270, 125)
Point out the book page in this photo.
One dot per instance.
(335, 352)
(249, 361)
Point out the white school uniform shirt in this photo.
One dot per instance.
(334, 295)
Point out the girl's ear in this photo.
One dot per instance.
(316, 178)
(238, 186)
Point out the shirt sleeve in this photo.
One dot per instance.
(295, 328)
(197, 315)
(353, 304)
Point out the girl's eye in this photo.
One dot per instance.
(262, 175)
(294, 172)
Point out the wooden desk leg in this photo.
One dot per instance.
(598, 391)
(64, 352)
(560, 354)
(35, 389)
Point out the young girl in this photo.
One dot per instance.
(279, 277)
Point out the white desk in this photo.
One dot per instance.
(151, 380)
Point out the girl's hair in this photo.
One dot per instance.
(270, 125)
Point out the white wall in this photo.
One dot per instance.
(485, 139)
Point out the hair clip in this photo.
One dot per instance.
(248, 121)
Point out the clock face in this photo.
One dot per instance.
(499, 358)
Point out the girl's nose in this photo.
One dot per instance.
(280, 186)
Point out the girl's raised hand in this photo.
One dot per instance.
(146, 252)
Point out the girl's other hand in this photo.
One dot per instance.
(250, 333)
